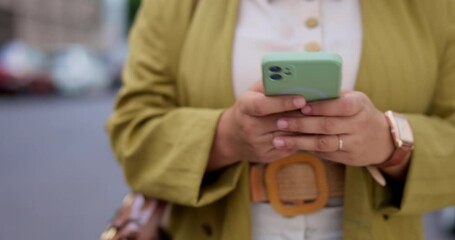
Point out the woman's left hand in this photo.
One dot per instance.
(349, 130)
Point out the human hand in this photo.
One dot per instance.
(246, 130)
(351, 121)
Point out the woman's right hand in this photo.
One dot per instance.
(246, 130)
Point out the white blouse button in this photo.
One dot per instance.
(312, 22)
(312, 47)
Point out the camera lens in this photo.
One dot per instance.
(275, 69)
(287, 71)
(276, 77)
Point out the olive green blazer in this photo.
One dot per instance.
(178, 80)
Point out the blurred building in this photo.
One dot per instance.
(51, 24)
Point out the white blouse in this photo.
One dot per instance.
(295, 25)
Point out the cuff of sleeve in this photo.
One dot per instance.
(172, 167)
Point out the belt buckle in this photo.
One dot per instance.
(271, 183)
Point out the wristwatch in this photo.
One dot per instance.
(403, 139)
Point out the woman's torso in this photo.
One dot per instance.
(398, 70)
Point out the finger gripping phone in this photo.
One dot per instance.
(314, 75)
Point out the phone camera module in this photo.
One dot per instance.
(275, 69)
(276, 77)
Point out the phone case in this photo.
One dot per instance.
(314, 75)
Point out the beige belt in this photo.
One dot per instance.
(299, 184)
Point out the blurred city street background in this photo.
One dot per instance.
(60, 62)
(58, 178)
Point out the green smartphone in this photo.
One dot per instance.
(314, 75)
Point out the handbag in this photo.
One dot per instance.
(138, 218)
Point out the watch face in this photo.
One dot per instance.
(403, 129)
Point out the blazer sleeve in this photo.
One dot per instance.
(430, 182)
(164, 147)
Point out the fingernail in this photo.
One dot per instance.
(278, 143)
(299, 102)
(282, 124)
(306, 110)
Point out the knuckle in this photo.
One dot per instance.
(356, 141)
(363, 100)
(328, 125)
(347, 107)
(363, 122)
(300, 126)
(322, 143)
(293, 125)
(355, 127)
